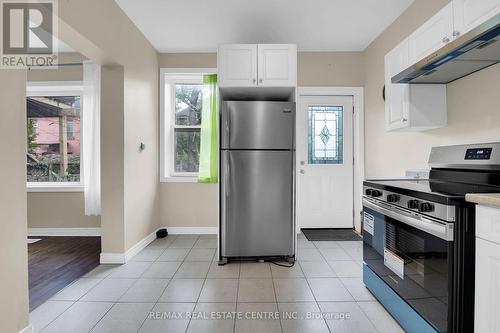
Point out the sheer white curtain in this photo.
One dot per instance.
(91, 107)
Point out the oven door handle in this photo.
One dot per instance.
(442, 230)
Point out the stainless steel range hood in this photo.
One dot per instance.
(476, 50)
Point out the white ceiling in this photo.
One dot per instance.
(315, 25)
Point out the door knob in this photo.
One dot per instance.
(302, 163)
(302, 171)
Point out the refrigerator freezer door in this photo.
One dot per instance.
(258, 125)
(257, 199)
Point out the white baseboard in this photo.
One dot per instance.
(64, 231)
(122, 258)
(112, 258)
(192, 230)
(27, 329)
(140, 245)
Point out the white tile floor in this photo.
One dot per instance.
(180, 274)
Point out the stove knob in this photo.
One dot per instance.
(376, 193)
(368, 192)
(425, 207)
(393, 198)
(413, 204)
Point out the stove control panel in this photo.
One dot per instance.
(478, 154)
(434, 209)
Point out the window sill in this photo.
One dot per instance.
(51, 187)
(179, 179)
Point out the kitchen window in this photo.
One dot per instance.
(181, 110)
(54, 138)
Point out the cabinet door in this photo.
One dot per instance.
(396, 95)
(487, 291)
(468, 14)
(277, 65)
(432, 35)
(237, 65)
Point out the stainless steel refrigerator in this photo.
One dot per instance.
(257, 187)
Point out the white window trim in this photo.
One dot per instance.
(57, 88)
(167, 172)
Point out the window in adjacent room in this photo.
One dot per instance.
(53, 136)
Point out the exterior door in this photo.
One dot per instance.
(325, 163)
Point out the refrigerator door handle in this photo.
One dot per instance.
(228, 128)
(228, 173)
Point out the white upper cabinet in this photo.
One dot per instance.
(422, 107)
(277, 65)
(432, 35)
(252, 65)
(411, 107)
(237, 65)
(396, 95)
(468, 14)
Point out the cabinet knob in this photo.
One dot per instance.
(302, 171)
(260, 81)
(302, 162)
(254, 80)
(446, 40)
(404, 120)
(456, 33)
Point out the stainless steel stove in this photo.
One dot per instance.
(418, 238)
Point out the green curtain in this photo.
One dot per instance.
(209, 141)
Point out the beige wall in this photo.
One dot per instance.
(70, 212)
(13, 246)
(313, 68)
(63, 73)
(110, 38)
(187, 60)
(201, 207)
(473, 114)
(59, 210)
(189, 205)
(112, 160)
(330, 69)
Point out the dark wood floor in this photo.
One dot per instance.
(55, 262)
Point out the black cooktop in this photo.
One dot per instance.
(444, 192)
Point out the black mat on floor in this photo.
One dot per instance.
(331, 235)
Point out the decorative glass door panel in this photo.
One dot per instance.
(326, 135)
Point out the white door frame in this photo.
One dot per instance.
(358, 136)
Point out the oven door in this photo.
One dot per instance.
(412, 255)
